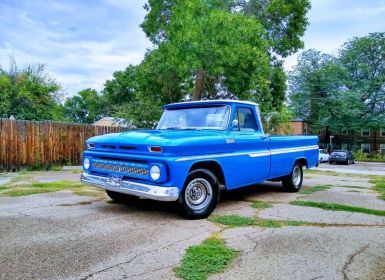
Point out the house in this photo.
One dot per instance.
(300, 127)
(365, 140)
(115, 122)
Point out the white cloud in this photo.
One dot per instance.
(332, 23)
(81, 44)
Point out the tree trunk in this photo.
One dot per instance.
(354, 148)
(199, 85)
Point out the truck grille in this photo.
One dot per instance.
(121, 168)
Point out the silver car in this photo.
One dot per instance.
(323, 156)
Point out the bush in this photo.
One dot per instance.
(373, 157)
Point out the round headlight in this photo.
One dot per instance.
(155, 172)
(86, 163)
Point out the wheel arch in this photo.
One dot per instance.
(302, 161)
(212, 166)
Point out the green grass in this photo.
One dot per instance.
(314, 189)
(14, 189)
(379, 186)
(261, 205)
(233, 220)
(57, 168)
(201, 261)
(334, 173)
(76, 171)
(338, 207)
(237, 221)
(268, 223)
(352, 187)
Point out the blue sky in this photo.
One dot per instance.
(83, 42)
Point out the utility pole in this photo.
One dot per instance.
(331, 143)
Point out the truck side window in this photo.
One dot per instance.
(246, 119)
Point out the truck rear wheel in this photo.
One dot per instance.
(293, 181)
(120, 197)
(200, 194)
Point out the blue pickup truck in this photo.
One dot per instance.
(197, 149)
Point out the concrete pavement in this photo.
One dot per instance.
(65, 236)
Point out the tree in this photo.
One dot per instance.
(229, 48)
(121, 89)
(313, 85)
(346, 91)
(85, 107)
(156, 82)
(29, 93)
(364, 61)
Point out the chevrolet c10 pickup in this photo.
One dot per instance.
(197, 149)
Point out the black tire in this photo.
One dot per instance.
(200, 195)
(330, 162)
(293, 181)
(121, 197)
(347, 162)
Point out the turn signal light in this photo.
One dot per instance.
(155, 149)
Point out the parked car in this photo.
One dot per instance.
(345, 157)
(323, 156)
(197, 149)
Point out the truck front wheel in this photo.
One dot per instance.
(293, 181)
(200, 194)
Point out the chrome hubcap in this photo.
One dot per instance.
(198, 194)
(296, 179)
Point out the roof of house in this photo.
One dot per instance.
(298, 119)
(110, 121)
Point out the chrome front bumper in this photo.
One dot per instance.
(133, 188)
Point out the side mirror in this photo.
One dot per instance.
(235, 125)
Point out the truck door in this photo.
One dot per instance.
(253, 164)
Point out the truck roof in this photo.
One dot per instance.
(208, 103)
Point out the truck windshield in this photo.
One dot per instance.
(216, 117)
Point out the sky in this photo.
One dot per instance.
(82, 43)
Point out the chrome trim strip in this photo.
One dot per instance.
(293, 150)
(133, 188)
(253, 154)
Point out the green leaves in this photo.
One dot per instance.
(85, 107)
(28, 93)
(346, 91)
(228, 48)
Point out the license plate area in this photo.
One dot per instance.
(114, 180)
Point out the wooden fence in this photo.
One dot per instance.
(32, 143)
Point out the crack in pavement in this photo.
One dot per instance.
(148, 272)
(136, 256)
(351, 258)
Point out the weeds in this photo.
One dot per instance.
(314, 189)
(338, 207)
(200, 261)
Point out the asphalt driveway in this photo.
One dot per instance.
(62, 235)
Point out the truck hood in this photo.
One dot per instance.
(173, 142)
